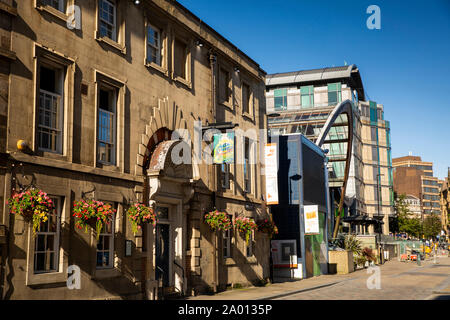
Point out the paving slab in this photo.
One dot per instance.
(400, 280)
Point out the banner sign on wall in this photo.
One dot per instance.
(224, 148)
(271, 171)
(311, 219)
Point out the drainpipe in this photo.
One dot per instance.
(213, 64)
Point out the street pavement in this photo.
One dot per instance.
(397, 281)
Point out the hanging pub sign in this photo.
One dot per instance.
(271, 172)
(224, 148)
(311, 220)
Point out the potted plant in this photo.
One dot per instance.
(267, 226)
(369, 255)
(246, 226)
(360, 261)
(138, 214)
(33, 205)
(218, 220)
(92, 213)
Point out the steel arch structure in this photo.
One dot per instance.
(345, 107)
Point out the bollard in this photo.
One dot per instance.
(418, 259)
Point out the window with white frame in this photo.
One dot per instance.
(307, 96)
(46, 250)
(227, 242)
(108, 19)
(107, 101)
(50, 109)
(280, 99)
(334, 93)
(153, 45)
(246, 98)
(105, 244)
(57, 4)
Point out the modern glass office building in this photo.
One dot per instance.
(302, 101)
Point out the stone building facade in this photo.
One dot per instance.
(377, 160)
(102, 94)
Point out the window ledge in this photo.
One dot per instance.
(8, 54)
(248, 116)
(227, 105)
(108, 166)
(8, 9)
(228, 193)
(183, 81)
(229, 262)
(51, 155)
(111, 43)
(152, 65)
(252, 260)
(54, 12)
(46, 278)
(106, 273)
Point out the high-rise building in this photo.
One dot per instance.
(377, 161)
(301, 102)
(445, 203)
(412, 176)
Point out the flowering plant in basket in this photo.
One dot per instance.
(33, 205)
(92, 213)
(246, 226)
(138, 214)
(218, 220)
(268, 226)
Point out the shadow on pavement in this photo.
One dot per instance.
(442, 297)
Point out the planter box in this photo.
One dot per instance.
(343, 261)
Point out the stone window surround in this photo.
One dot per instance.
(45, 55)
(102, 78)
(61, 274)
(189, 44)
(120, 44)
(251, 108)
(221, 64)
(164, 39)
(253, 167)
(39, 5)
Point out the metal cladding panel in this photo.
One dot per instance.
(313, 177)
(309, 75)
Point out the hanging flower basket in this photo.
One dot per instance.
(138, 214)
(218, 220)
(92, 213)
(246, 226)
(33, 205)
(268, 226)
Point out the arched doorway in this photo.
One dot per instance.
(168, 189)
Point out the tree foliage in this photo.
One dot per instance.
(406, 221)
(432, 226)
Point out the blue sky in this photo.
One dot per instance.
(405, 65)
